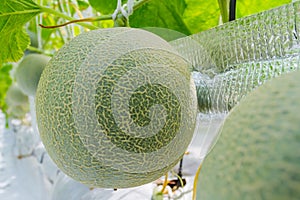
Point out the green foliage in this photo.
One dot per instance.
(13, 15)
(201, 15)
(5, 82)
(193, 16)
(157, 13)
(82, 5)
(104, 6)
(245, 7)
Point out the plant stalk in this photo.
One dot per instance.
(224, 9)
(196, 182)
(59, 14)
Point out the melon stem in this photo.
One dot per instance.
(59, 14)
(196, 182)
(165, 183)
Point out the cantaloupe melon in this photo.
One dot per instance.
(116, 107)
(257, 155)
(29, 71)
(15, 97)
(17, 102)
(18, 111)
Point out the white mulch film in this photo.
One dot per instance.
(35, 177)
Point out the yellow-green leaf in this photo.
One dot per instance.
(13, 38)
(201, 15)
(246, 7)
(164, 14)
(5, 82)
(105, 6)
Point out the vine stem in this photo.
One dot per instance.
(59, 14)
(37, 50)
(69, 22)
(165, 183)
(180, 168)
(196, 182)
(71, 28)
(38, 20)
(79, 21)
(224, 9)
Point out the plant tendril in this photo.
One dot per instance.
(196, 182)
(90, 19)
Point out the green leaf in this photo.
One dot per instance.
(246, 7)
(82, 4)
(105, 6)
(13, 38)
(201, 15)
(5, 82)
(161, 13)
(185, 16)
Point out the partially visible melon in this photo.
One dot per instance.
(15, 97)
(29, 71)
(116, 107)
(18, 111)
(17, 102)
(257, 155)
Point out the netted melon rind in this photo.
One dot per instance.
(257, 154)
(71, 98)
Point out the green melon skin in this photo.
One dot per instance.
(15, 97)
(116, 108)
(257, 154)
(18, 111)
(29, 71)
(17, 102)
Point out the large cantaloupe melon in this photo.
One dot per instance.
(116, 107)
(257, 155)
